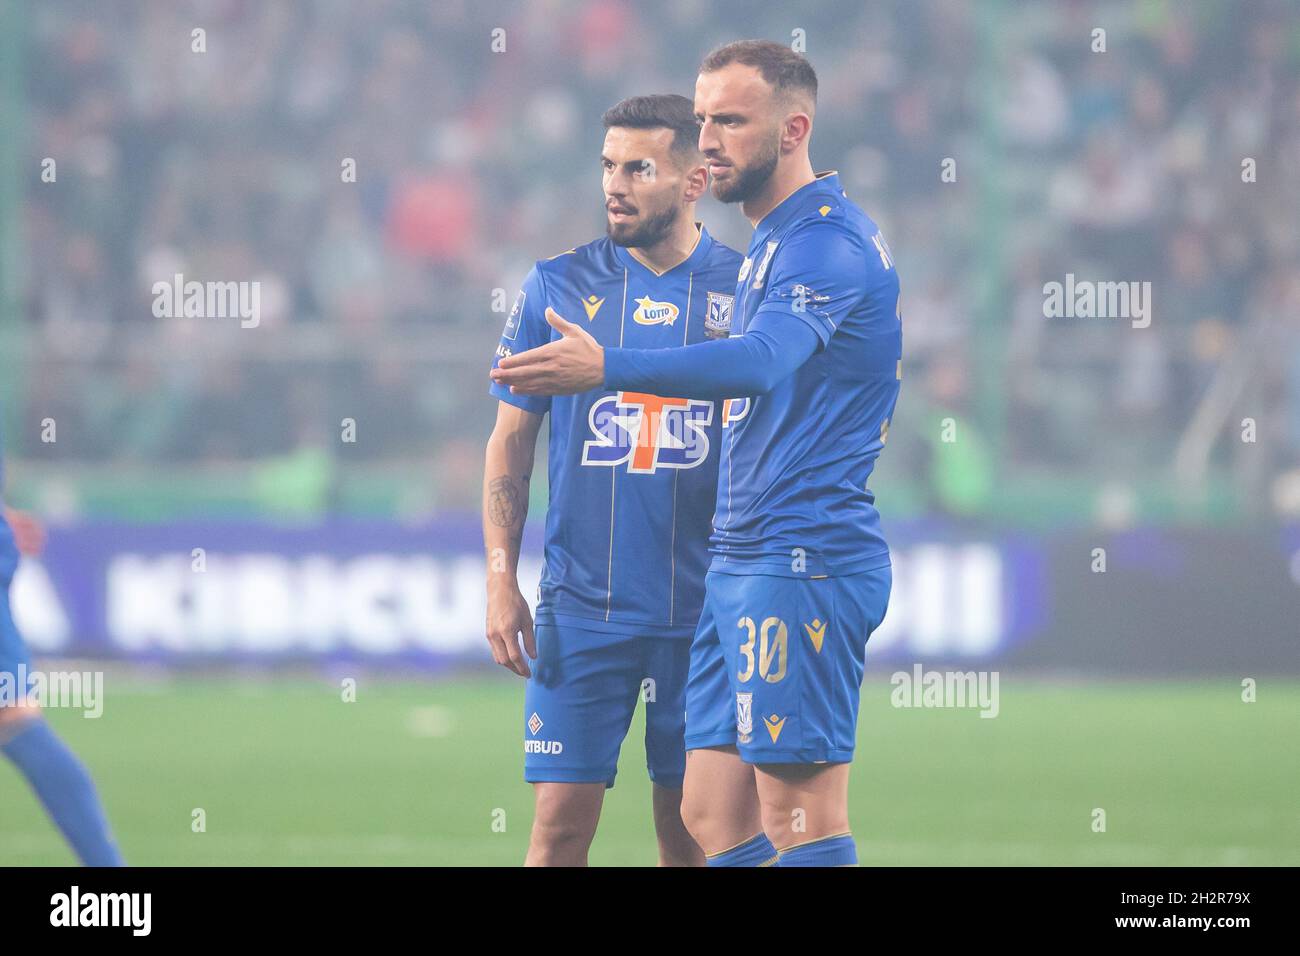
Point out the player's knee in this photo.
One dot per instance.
(560, 836)
(692, 810)
(788, 822)
(565, 817)
(700, 817)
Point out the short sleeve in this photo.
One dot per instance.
(526, 328)
(820, 273)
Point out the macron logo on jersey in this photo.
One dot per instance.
(648, 432)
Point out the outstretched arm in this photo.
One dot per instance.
(769, 351)
(750, 364)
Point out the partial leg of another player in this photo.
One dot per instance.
(676, 845)
(665, 663)
(61, 783)
(60, 780)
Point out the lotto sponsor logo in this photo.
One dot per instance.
(650, 312)
(647, 432)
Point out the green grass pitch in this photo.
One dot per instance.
(412, 773)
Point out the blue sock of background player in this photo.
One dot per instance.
(756, 851)
(64, 788)
(838, 850)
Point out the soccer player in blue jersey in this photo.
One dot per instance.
(59, 779)
(800, 574)
(633, 474)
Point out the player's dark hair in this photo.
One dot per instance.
(659, 111)
(783, 69)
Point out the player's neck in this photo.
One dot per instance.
(673, 249)
(783, 184)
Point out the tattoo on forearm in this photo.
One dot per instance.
(507, 501)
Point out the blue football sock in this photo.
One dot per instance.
(828, 851)
(66, 790)
(756, 851)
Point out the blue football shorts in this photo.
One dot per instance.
(776, 664)
(579, 703)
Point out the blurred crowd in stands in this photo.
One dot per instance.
(1171, 157)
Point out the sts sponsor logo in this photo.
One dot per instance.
(733, 410)
(648, 432)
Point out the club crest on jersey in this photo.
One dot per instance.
(650, 312)
(512, 321)
(744, 715)
(647, 432)
(717, 317)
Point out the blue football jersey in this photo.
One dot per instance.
(792, 489)
(633, 476)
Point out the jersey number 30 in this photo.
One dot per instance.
(773, 646)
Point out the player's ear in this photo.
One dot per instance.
(797, 129)
(697, 181)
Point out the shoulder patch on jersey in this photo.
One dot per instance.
(566, 252)
(516, 313)
(761, 271)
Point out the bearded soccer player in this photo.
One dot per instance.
(633, 473)
(800, 574)
(54, 773)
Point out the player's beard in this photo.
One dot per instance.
(751, 180)
(650, 230)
